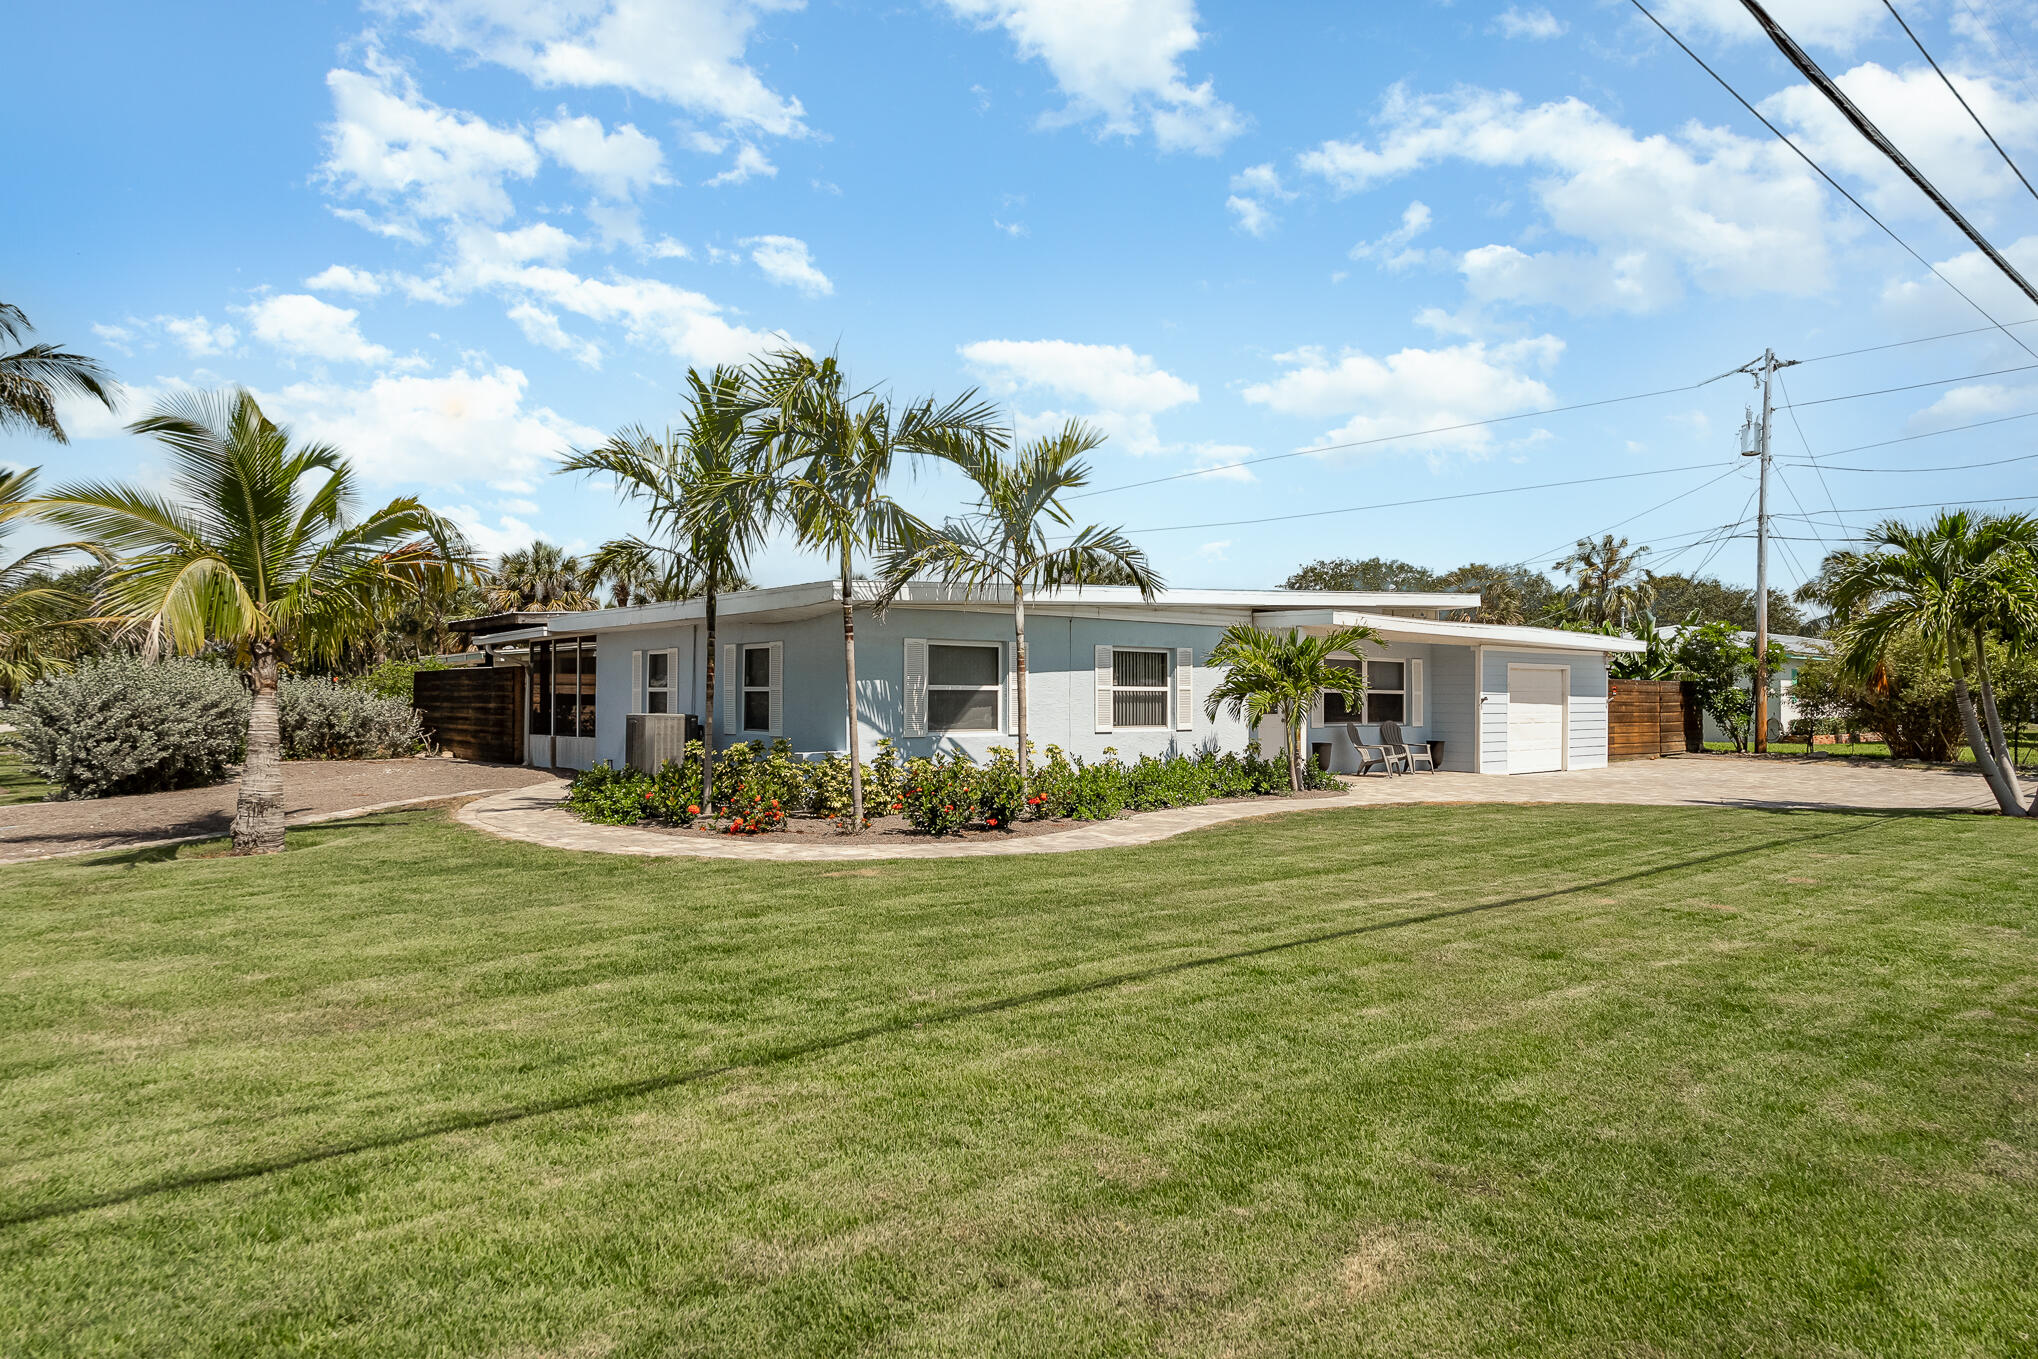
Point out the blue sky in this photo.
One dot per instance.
(457, 237)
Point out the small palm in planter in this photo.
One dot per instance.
(1281, 675)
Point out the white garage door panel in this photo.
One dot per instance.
(1535, 719)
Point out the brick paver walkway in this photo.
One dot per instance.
(533, 815)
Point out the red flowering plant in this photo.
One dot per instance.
(939, 796)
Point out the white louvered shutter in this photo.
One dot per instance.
(1008, 716)
(913, 714)
(636, 681)
(729, 684)
(1103, 688)
(1415, 700)
(777, 651)
(1185, 688)
(672, 678)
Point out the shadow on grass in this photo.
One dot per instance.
(623, 1090)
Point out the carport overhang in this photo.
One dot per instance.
(1393, 628)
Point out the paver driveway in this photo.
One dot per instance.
(533, 815)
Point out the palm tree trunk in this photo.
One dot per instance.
(1984, 758)
(849, 679)
(1292, 738)
(708, 710)
(1993, 721)
(258, 815)
(1019, 676)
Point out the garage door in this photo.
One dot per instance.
(1535, 719)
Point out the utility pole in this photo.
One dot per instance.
(1765, 370)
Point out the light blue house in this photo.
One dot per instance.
(1108, 672)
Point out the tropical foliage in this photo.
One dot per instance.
(255, 545)
(35, 379)
(541, 576)
(44, 618)
(1607, 582)
(1281, 675)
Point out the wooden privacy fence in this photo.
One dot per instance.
(1648, 718)
(475, 712)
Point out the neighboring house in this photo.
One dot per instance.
(1783, 711)
(1108, 671)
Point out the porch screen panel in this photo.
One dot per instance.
(585, 727)
(541, 689)
(565, 688)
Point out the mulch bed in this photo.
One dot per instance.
(897, 827)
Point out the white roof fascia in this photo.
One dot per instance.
(509, 635)
(934, 592)
(1466, 634)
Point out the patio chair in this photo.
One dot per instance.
(1409, 751)
(1375, 755)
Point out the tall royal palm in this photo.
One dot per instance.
(1264, 674)
(1609, 585)
(33, 379)
(700, 499)
(830, 451)
(1004, 543)
(254, 544)
(1951, 583)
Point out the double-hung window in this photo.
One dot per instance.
(963, 686)
(1387, 691)
(756, 678)
(1335, 707)
(1139, 688)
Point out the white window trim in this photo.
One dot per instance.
(998, 688)
(641, 687)
(773, 689)
(1373, 689)
(1166, 688)
(1414, 702)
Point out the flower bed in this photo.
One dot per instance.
(761, 790)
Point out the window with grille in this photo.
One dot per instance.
(1386, 691)
(1139, 688)
(658, 681)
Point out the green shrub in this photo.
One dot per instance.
(119, 725)
(609, 796)
(324, 720)
(940, 794)
(397, 679)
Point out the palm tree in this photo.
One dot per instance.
(43, 622)
(254, 546)
(32, 379)
(540, 576)
(1608, 586)
(699, 494)
(1950, 584)
(1004, 543)
(829, 452)
(1271, 674)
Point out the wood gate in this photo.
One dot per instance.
(1648, 718)
(475, 711)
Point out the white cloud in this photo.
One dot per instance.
(1253, 217)
(1819, 23)
(1727, 213)
(685, 324)
(119, 337)
(506, 534)
(1929, 124)
(1125, 389)
(1534, 23)
(338, 278)
(298, 323)
(748, 165)
(1413, 389)
(619, 164)
(1921, 304)
(1014, 229)
(198, 336)
(1215, 551)
(1120, 61)
(785, 260)
(689, 53)
(441, 431)
(542, 327)
(389, 144)
(1392, 248)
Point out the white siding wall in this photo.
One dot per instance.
(1587, 706)
(1453, 705)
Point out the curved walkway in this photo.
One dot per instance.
(533, 814)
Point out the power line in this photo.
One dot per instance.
(1956, 467)
(1913, 386)
(1922, 339)
(1799, 427)
(1837, 188)
(1920, 505)
(1397, 438)
(1622, 523)
(1931, 434)
(1955, 92)
(1849, 110)
(1424, 500)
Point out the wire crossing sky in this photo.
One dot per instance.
(1484, 270)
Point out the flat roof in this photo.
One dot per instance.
(1395, 629)
(814, 597)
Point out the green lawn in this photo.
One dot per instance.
(1870, 750)
(16, 783)
(1415, 1081)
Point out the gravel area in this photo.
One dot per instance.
(311, 788)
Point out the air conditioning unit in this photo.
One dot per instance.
(650, 739)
